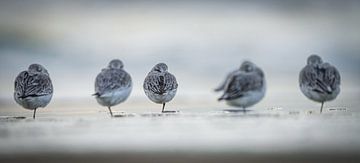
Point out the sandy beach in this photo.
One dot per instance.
(191, 135)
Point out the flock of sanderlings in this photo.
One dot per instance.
(244, 87)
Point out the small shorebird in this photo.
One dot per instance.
(33, 88)
(113, 85)
(160, 86)
(244, 87)
(319, 81)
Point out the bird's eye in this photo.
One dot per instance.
(248, 68)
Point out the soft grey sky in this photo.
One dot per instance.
(200, 41)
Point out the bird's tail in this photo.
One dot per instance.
(97, 94)
(223, 97)
(220, 87)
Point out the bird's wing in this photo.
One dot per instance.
(20, 82)
(240, 84)
(223, 84)
(307, 76)
(331, 76)
(321, 79)
(160, 83)
(110, 79)
(32, 85)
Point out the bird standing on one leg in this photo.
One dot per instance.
(113, 85)
(33, 88)
(160, 86)
(319, 81)
(244, 87)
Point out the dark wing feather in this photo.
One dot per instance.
(160, 83)
(223, 84)
(20, 82)
(240, 84)
(322, 79)
(32, 85)
(110, 79)
(331, 77)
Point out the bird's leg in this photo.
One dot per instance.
(244, 109)
(110, 111)
(322, 104)
(163, 108)
(34, 113)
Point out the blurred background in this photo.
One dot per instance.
(201, 41)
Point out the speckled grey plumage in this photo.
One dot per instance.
(33, 88)
(160, 86)
(244, 87)
(113, 85)
(319, 81)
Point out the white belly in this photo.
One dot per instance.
(114, 97)
(248, 99)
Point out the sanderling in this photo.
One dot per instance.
(113, 85)
(33, 88)
(160, 86)
(244, 87)
(319, 81)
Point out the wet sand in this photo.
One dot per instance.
(212, 135)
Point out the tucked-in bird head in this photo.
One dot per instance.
(36, 68)
(160, 67)
(116, 64)
(314, 60)
(247, 66)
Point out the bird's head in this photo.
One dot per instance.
(37, 68)
(314, 60)
(115, 64)
(247, 66)
(160, 67)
